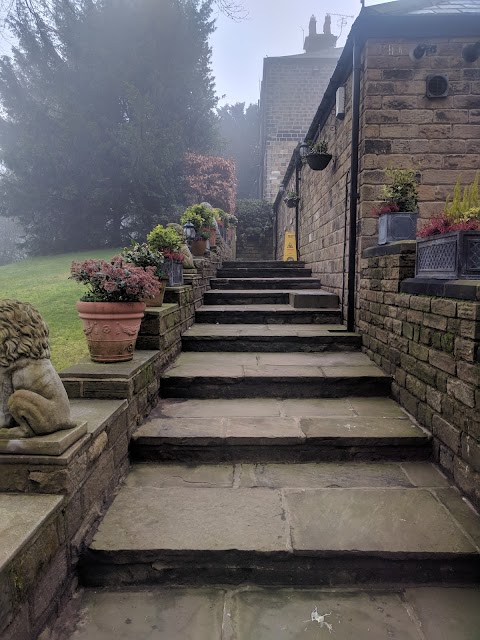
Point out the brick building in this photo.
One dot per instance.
(292, 87)
(400, 125)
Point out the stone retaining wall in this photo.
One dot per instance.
(431, 347)
(38, 574)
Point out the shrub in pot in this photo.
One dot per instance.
(142, 255)
(169, 242)
(202, 218)
(113, 307)
(397, 214)
(448, 246)
(318, 157)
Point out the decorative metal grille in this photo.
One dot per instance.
(175, 273)
(436, 257)
(472, 251)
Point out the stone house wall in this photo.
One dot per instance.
(292, 88)
(399, 127)
(430, 345)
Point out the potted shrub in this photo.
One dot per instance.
(202, 218)
(397, 214)
(113, 307)
(291, 199)
(448, 246)
(168, 241)
(142, 255)
(318, 157)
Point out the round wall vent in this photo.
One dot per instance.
(437, 86)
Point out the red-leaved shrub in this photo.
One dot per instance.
(210, 179)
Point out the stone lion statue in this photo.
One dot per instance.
(33, 400)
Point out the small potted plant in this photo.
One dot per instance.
(397, 214)
(291, 199)
(448, 246)
(113, 307)
(142, 255)
(202, 218)
(168, 241)
(318, 157)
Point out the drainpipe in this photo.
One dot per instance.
(352, 241)
(297, 206)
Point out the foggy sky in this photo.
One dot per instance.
(273, 29)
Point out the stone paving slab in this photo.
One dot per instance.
(252, 613)
(356, 429)
(180, 475)
(263, 407)
(21, 517)
(263, 431)
(179, 519)
(297, 365)
(407, 521)
(291, 330)
(96, 413)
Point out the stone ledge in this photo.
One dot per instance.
(53, 444)
(458, 289)
(394, 248)
(119, 370)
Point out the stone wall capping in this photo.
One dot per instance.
(457, 289)
(394, 248)
(109, 370)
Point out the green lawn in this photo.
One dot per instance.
(44, 282)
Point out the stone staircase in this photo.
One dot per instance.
(277, 457)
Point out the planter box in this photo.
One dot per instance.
(451, 256)
(396, 226)
(175, 273)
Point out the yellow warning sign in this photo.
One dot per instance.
(290, 247)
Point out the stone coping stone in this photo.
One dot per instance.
(393, 522)
(457, 289)
(166, 309)
(110, 370)
(97, 415)
(392, 249)
(53, 444)
(331, 331)
(21, 517)
(253, 613)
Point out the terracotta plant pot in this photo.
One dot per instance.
(158, 300)
(198, 248)
(213, 238)
(111, 328)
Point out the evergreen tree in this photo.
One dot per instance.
(101, 98)
(240, 131)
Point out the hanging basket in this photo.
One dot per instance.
(318, 161)
(291, 202)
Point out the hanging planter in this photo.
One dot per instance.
(317, 156)
(291, 199)
(318, 161)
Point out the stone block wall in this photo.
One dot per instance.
(292, 88)
(256, 248)
(431, 347)
(399, 127)
(38, 576)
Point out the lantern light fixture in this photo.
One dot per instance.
(304, 150)
(189, 231)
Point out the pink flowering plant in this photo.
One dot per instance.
(115, 281)
(142, 255)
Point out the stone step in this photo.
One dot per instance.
(249, 612)
(265, 314)
(248, 296)
(315, 299)
(266, 430)
(273, 375)
(264, 273)
(320, 524)
(283, 338)
(265, 283)
(262, 264)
